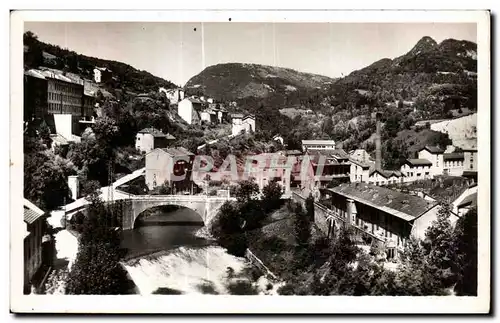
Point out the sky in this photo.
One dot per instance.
(178, 51)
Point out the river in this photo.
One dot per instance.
(169, 253)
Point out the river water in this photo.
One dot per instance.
(170, 253)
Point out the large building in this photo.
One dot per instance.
(382, 177)
(242, 123)
(189, 109)
(360, 171)
(33, 235)
(310, 145)
(51, 92)
(435, 156)
(453, 164)
(163, 165)
(389, 215)
(417, 169)
(35, 95)
(150, 138)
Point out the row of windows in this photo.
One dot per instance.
(454, 163)
(56, 108)
(64, 98)
(410, 174)
(319, 146)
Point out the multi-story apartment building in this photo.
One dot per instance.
(60, 94)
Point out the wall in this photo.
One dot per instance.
(411, 172)
(156, 168)
(421, 224)
(185, 110)
(435, 159)
(377, 179)
(453, 167)
(33, 250)
(358, 174)
(144, 142)
(470, 160)
(64, 97)
(64, 125)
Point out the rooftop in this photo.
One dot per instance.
(359, 163)
(177, 151)
(418, 162)
(433, 149)
(157, 133)
(453, 156)
(386, 173)
(469, 200)
(404, 206)
(31, 212)
(318, 142)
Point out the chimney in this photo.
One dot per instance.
(378, 152)
(73, 186)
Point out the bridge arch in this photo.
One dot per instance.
(141, 211)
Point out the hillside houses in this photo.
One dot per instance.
(242, 123)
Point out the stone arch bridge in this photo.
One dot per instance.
(205, 206)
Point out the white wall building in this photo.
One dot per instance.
(189, 110)
(241, 123)
(435, 156)
(318, 145)
(453, 164)
(360, 172)
(173, 95)
(416, 169)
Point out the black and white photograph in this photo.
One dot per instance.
(177, 157)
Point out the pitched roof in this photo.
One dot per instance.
(31, 212)
(418, 162)
(249, 116)
(156, 133)
(386, 173)
(453, 156)
(433, 149)
(357, 162)
(469, 200)
(404, 206)
(177, 151)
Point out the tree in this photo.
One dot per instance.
(246, 191)
(302, 226)
(272, 193)
(310, 207)
(466, 247)
(439, 247)
(97, 270)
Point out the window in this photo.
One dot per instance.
(426, 173)
(418, 174)
(377, 183)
